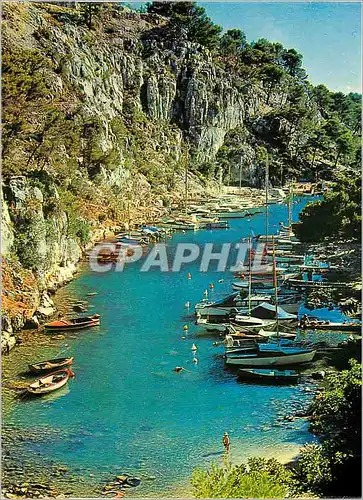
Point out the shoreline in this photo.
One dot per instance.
(30, 305)
(32, 342)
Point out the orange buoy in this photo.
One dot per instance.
(185, 328)
(211, 286)
(189, 276)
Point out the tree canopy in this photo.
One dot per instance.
(337, 215)
(188, 20)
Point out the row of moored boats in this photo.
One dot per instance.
(259, 320)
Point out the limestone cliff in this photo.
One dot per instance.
(100, 125)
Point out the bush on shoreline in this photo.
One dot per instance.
(260, 478)
(321, 470)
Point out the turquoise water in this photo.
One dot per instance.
(127, 410)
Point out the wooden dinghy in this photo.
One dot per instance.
(267, 375)
(74, 324)
(330, 326)
(51, 364)
(50, 383)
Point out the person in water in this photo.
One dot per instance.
(226, 442)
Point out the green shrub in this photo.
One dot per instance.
(314, 468)
(335, 416)
(261, 478)
(79, 228)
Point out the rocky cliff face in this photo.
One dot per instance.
(109, 118)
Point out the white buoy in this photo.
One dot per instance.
(187, 305)
(195, 361)
(194, 347)
(205, 293)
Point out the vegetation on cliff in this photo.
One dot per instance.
(306, 129)
(328, 123)
(104, 109)
(337, 215)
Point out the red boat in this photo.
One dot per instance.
(74, 324)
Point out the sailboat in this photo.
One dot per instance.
(233, 303)
(250, 322)
(222, 323)
(272, 354)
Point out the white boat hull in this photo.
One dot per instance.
(212, 327)
(238, 214)
(204, 312)
(251, 328)
(284, 360)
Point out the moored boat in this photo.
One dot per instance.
(267, 375)
(212, 326)
(50, 383)
(252, 321)
(249, 324)
(278, 357)
(51, 364)
(74, 324)
(231, 304)
(330, 325)
(214, 225)
(279, 335)
(271, 311)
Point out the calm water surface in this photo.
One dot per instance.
(127, 410)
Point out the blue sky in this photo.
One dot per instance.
(327, 34)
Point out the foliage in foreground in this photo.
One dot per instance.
(261, 478)
(338, 214)
(321, 470)
(335, 416)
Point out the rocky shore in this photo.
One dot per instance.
(27, 292)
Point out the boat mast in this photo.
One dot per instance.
(266, 197)
(289, 208)
(128, 212)
(275, 287)
(240, 174)
(249, 274)
(186, 183)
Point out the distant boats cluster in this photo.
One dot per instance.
(259, 320)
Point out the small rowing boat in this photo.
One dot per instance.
(50, 383)
(74, 324)
(266, 375)
(330, 325)
(51, 364)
